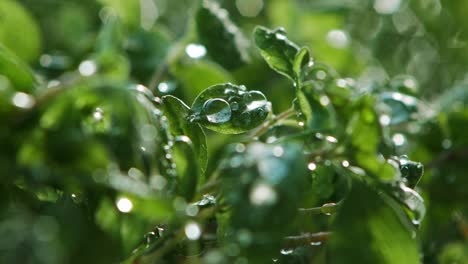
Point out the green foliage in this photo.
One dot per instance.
(153, 131)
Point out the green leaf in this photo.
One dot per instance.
(314, 108)
(188, 74)
(187, 167)
(263, 181)
(401, 107)
(177, 114)
(369, 230)
(224, 41)
(18, 73)
(279, 52)
(230, 109)
(26, 42)
(301, 60)
(365, 135)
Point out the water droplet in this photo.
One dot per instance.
(345, 163)
(385, 120)
(124, 205)
(446, 143)
(321, 75)
(191, 210)
(234, 106)
(87, 68)
(192, 231)
(324, 100)
(316, 243)
(398, 139)
(164, 87)
(249, 8)
(286, 251)
(312, 166)
(263, 194)
(195, 51)
(337, 38)
(23, 100)
(98, 114)
(331, 139)
(150, 237)
(386, 7)
(301, 124)
(278, 151)
(240, 147)
(328, 208)
(217, 111)
(254, 100)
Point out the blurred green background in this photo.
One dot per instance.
(418, 47)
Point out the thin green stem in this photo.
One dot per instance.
(263, 128)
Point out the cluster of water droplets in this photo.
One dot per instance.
(233, 103)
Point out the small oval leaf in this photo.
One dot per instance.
(230, 109)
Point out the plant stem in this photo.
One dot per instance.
(263, 128)
(305, 239)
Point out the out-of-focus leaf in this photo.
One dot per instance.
(225, 43)
(147, 51)
(177, 114)
(26, 42)
(230, 109)
(128, 11)
(270, 186)
(401, 107)
(365, 136)
(16, 71)
(278, 51)
(455, 252)
(369, 230)
(314, 108)
(189, 76)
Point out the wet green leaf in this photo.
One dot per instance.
(369, 230)
(177, 114)
(224, 41)
(230, 109)
(410, 170)
(279, 52)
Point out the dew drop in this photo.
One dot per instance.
(98, 114)
(446, 143)
(124, 205)
(87, 68)
(385, 120)
(286, 251)
(150, 237)
(217, 111)
(345, 163)
(195, 51)
(192, 231)
(312, 166)
(23, 100)
(263, 194)
(278, 151)
(398, 139)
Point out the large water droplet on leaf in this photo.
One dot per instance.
(217, 111)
